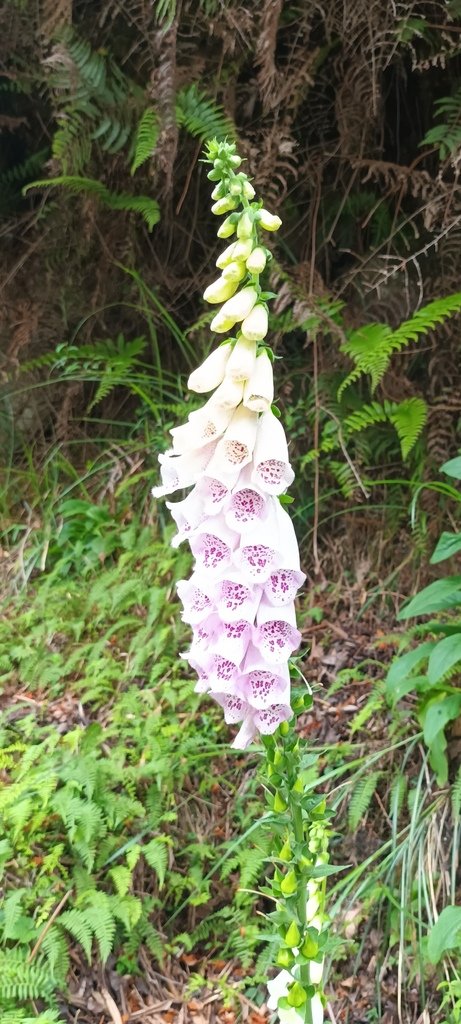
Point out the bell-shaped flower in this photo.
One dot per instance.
(246, 506)
(234, 708)
(218, 672)
(220, 290)
(209, 375)
(236, 599)
(234, 272)
(187, 514)
(272, 470)
(258, 393)
(229, 394)
(214, 493)
(257, 260)
(264, 721)
(212, 545)
(180, 471)
(255, 325)
(203, 426)
(236, 308)
(194, 595)
(265, 686)
(281, 587)
(242, 360)
(268, 221)
(231, 639)
(235, 251)
(263, 549)
(235, 449)
(276, 636)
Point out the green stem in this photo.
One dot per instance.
(298, 829)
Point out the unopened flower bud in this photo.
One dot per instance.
(228, 226)
(234, 271)
(286, 851)
(236, 187)
(279, 804)
(293, 935)
(209, 375)
(309, 948)
(239, 306)
(259, 389)
(289, 884)
(235, 160)
(255, 325)
(224, 205)
(285, 958)
(296, 994)
(220, 290)
(235, 251)
(268, 221)
(218, 191)
(257, 260)
(242, 361)
(248, 190)
(245, 225)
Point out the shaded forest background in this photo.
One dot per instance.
(121, 847)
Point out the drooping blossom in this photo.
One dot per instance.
(232, 458)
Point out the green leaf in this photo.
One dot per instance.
(453, 467)
(448, 545)
(399, 680)
(434, 717)
(436, 597)
(445, 934)
(445, 655)
(156, 854)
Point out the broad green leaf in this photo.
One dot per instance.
(442, 594)
(453, 467)
(446, 654)
(448, 545)
(399, 680)
(445, 934)
(434, 717)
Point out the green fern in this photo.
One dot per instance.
(20, 1016)
(361, 799)
(447, 134)
(26, 169)
(372, 346)
(77, 924)
(20, 979)
(201, 116)
(145, 139)
(145, 205)
(407, 417)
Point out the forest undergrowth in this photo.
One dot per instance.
(131, 845)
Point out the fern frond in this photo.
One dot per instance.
(20, 979)
(145, 205)
(447, 134)
(408, 417)
(26, 169)
(76, 922)
(201, 116)
(145, 139)
(54, 947)
(361, 798)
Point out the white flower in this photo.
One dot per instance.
(268, 221)
(227, 228)
(180, 471)
(235, 449)
(248, 190)
(209, 375)
(257, 260)
(255, 325)
(229, 394)
(258, 393)
(272, 470)
(203, 426)
(242, 360)
(220, 290)
(236, 308)
(235, 251)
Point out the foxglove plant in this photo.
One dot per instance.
(240, 599)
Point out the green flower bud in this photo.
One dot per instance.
(235, 160)
(278, 757)
(309, 948)
(224, 205)
(279, 804)
(284, 728)
(214, 175)
(245, 225)
(235, 188)
(285, 958)
(289, 883)
(219, 191)
(296, 994)
(286, 851)
(293, 935)
(298, 786)
(256, 261)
